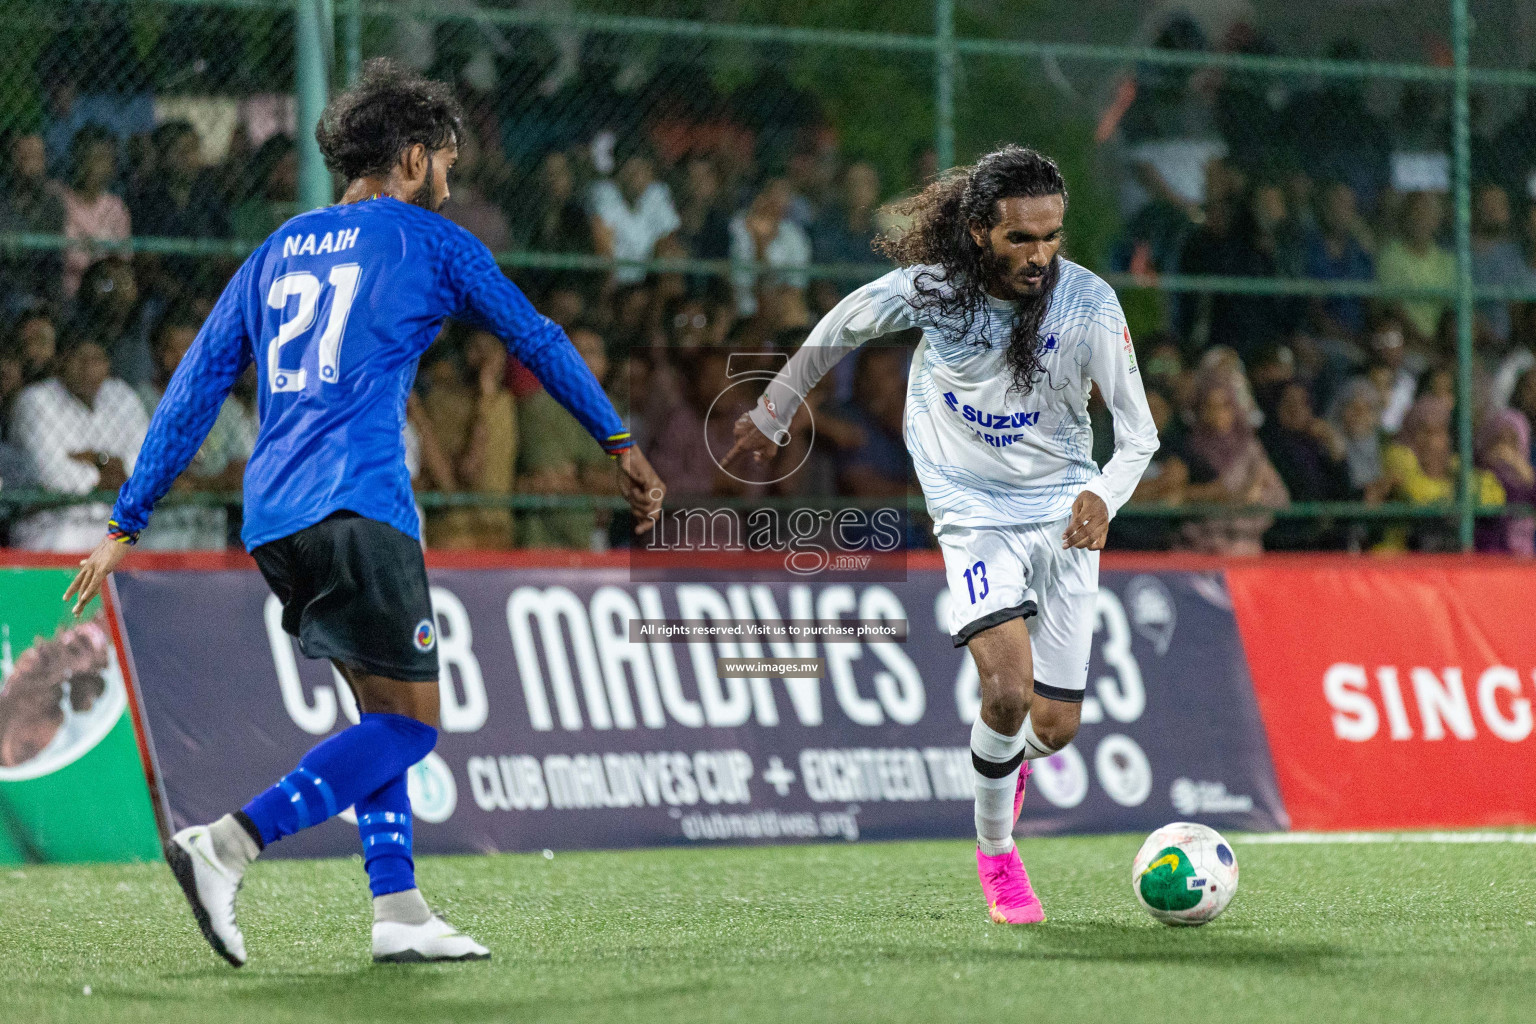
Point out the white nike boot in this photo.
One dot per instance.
(397, 943)
(210, 888)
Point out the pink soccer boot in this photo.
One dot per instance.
(1005, 885)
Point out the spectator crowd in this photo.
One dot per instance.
(1266, 400)
(1261, 401)
(94, 330)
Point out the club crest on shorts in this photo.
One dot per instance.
(425, 635)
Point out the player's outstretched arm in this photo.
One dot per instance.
(180, 425)
(877, 308)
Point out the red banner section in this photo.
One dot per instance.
(1395, 695)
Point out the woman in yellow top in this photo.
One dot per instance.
(1423, 471)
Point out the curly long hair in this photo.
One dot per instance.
(364, 130)
(937, 232)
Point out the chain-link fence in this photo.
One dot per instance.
(1339, 246)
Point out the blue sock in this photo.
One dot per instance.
(384, 825)
(340, 771)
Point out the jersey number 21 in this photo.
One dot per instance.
(307, 287)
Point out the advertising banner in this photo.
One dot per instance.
(71, 784)
(1395, 697)
(560, 731)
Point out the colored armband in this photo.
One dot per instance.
(617, 443)
(122, 536)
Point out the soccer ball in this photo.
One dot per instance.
(1184, 874)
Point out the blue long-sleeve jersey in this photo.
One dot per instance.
(336, 308)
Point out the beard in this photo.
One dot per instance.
(1024, 339)
(425, 196)
(1007, 285)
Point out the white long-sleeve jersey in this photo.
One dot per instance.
(986, 455)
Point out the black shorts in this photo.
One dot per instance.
(355, 590)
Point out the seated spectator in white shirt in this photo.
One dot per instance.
(219, 464)
(764, 233)
(79, 432)
(630, 215)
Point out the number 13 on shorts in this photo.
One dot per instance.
(976, 581)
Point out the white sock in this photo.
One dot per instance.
(994, 796)
(232, 844)
(408, 907)
(1033, 746)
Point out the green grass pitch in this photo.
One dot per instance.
(879, 932)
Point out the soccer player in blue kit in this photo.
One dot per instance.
(335, 309)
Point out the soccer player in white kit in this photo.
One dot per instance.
(997, 424)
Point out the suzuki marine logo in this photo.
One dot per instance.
(998, 429)
(991, 420)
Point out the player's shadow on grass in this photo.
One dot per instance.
(439, 992)
(1118, 943)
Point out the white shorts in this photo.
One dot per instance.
(997, 573)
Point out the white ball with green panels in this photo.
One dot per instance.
(1184, 874)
